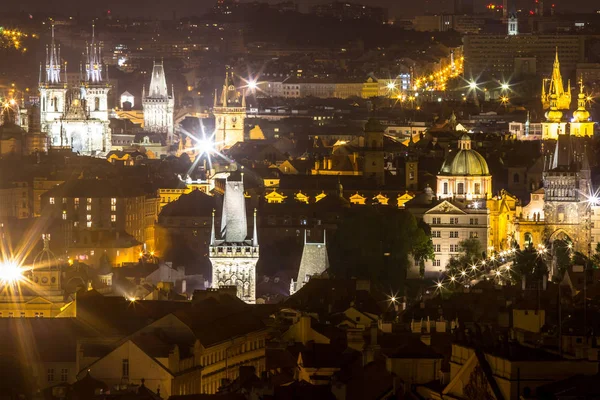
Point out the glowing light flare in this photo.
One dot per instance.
(11, 273)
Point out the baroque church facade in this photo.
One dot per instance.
(75, 117)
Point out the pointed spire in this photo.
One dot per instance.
(212, 229)
(215, 102)
(255, 232)
(244, 98)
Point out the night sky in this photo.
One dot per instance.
(164, 9)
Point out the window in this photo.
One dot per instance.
(437, 263)
(64, 215)
(460, 188)
(64, 374)
(89, 224)
(88, 217)
(89, 200)
(454, 248)
(125, 368)
(436, 234)
(445, 187)
(437, 248)
(454, 221)
(50, 374)
(113, 204)
(22, 314)
(516, 178)
(453, 234)
(64, 200)
(88, 207)
(477, 188)
(436, 221)
(473, 235)
(76, 201)
(113, 218)
(474, 221)
(51, 200)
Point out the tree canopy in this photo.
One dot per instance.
(378, 244)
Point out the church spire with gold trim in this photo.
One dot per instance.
(557, 89)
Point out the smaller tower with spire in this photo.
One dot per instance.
(230, 113)
(581, 125)
(53, 92)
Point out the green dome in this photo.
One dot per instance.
(465, 162)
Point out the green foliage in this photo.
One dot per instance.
(471, 252)
(528, 262)
(377, 243)
(562, 254)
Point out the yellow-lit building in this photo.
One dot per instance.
(502, 220)
(39, 294)
(581, 125)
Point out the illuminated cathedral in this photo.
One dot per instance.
(75, 117)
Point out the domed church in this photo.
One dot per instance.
(464, 174)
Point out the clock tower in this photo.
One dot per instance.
(230, 113)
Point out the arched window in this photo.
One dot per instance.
(445, 187)
(528, 239)
(477, 188)
(516, 178)
(460, 188)
(97, 104)
(55, 103)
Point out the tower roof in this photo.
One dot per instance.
(53, 63)
(234, 225)
(562, 97)
(158, 83)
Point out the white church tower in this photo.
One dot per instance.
(230, 114)
(158, 105)
(513, 22)
(233, 256)
(53, 92)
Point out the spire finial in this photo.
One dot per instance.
(212, 229)
(255, 232)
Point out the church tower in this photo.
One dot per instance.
(95, 88)
(46, 273)
(581, 124)
(158, 105)
(233, 256)
(230, 114)
(53, 93)
(556, 87)
(314, 261)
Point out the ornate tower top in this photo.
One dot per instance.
(581, 114)
(52, 62)
(230, 96)
(556, 88)
(93, 63)
(234, 225)
(158, 83)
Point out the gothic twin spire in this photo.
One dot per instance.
(93, 64)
